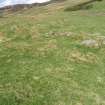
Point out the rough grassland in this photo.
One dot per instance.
(42, 60)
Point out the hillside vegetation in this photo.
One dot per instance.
(49, 56)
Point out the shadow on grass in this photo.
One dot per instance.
(79, 7)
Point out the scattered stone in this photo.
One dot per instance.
(90, 43)
(60, 33)
(66, 34)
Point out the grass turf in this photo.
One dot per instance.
(40, 64)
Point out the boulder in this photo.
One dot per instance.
(90, 43)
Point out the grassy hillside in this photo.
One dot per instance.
(44, 60)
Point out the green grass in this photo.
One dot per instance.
(41, 65)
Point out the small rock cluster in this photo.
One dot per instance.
(94, 43)
(61, 33)
(90, 43)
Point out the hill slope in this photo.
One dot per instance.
(14, 2)
(49, 56)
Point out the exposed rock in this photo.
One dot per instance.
(90, 43)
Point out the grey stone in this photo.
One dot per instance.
(90, 43)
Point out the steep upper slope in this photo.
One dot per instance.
(14, 2)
